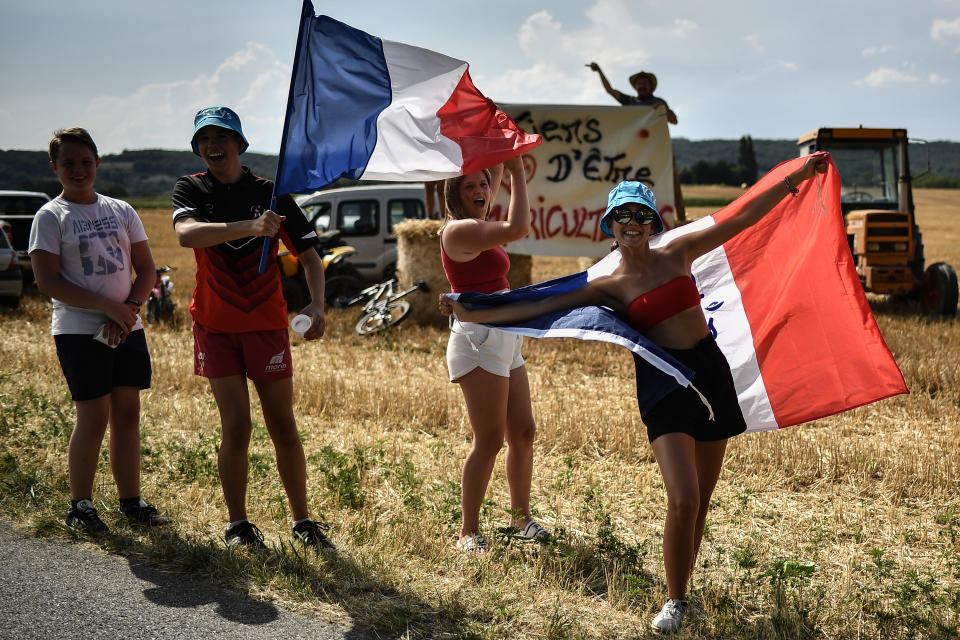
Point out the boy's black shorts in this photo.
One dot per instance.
(682, 410)
(93, 369)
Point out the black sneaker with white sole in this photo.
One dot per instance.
(140, 512)
(311, 533)
(83, 517)
(244, 533)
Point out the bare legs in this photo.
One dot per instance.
(121, 409)
(276, 398)
(499, 410)
(690, 472)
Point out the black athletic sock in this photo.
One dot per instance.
(130, 502)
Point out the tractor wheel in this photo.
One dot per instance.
(938, 292)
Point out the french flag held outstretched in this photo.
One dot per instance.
(783, 298)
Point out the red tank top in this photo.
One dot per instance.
(487, 273)
(658, 304)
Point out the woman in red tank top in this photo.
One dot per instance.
(486, 362)
(652, 288)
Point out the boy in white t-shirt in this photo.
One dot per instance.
(86, 249)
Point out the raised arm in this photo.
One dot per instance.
(698, 243)
(464, 239)
(606, 83)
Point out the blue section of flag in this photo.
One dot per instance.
(339, 86)
(658, 373)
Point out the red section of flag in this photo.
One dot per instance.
(485, 134)
(817, 343)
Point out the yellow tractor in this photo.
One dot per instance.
(876, 198)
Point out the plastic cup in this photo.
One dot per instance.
(301, 324)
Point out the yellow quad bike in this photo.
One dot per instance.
(876, 198)
(343, 281)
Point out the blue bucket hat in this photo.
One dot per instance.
(628, 191)
(223, 117)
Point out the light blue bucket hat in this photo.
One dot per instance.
(223, 117)
(628, 191)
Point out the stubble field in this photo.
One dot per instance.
(847, 527)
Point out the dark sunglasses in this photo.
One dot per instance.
(624, 215)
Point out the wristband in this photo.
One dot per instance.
(133, 302)
(792, 189)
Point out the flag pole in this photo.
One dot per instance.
(307, 6)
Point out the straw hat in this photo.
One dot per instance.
(652, 78)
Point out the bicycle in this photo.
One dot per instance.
(382, 307)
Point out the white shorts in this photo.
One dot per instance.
(473, 345)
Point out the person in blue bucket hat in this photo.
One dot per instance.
(222, 117)
(653, 291)
(240, 315)
(631, 192)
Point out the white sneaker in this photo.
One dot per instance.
(671, 616)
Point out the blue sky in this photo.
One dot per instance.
(134, 73)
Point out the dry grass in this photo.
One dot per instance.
(848, 527)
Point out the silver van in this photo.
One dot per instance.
(365, 216)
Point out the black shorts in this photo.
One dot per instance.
(93, 369)
(682, 410)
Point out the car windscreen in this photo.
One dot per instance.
(358, 217)
(405, 209)
(318, 213)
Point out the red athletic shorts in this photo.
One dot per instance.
(259, 355)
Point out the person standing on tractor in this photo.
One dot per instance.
(645, 83)
(240, 317)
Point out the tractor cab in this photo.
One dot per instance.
(876, 199)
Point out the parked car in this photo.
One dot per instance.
(17, 208)
(365, 216)
(11, 279)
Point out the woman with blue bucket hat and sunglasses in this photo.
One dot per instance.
(652, 288)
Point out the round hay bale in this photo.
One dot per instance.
(418, 258)
(521, 268)
(585, 263)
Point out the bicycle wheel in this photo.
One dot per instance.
(382, 317)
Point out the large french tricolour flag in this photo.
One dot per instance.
(783, 300)
(372, 109)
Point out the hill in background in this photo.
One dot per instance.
(152, 172)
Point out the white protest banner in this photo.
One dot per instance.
(586, 151)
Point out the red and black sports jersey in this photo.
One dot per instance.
(232, 296)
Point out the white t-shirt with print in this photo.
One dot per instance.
(93, 242)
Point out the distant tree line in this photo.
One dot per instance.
(721, 171)
(152, 172)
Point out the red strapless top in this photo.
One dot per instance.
(487, 273)
(656, 305)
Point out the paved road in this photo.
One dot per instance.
(52, 590)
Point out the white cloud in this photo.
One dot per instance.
(872, 51)
(886, 76)
(754, 41)
(786, 64)
(558, 53)
(944, 28)
(252, 81)
(936, 78)
(683, 27)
